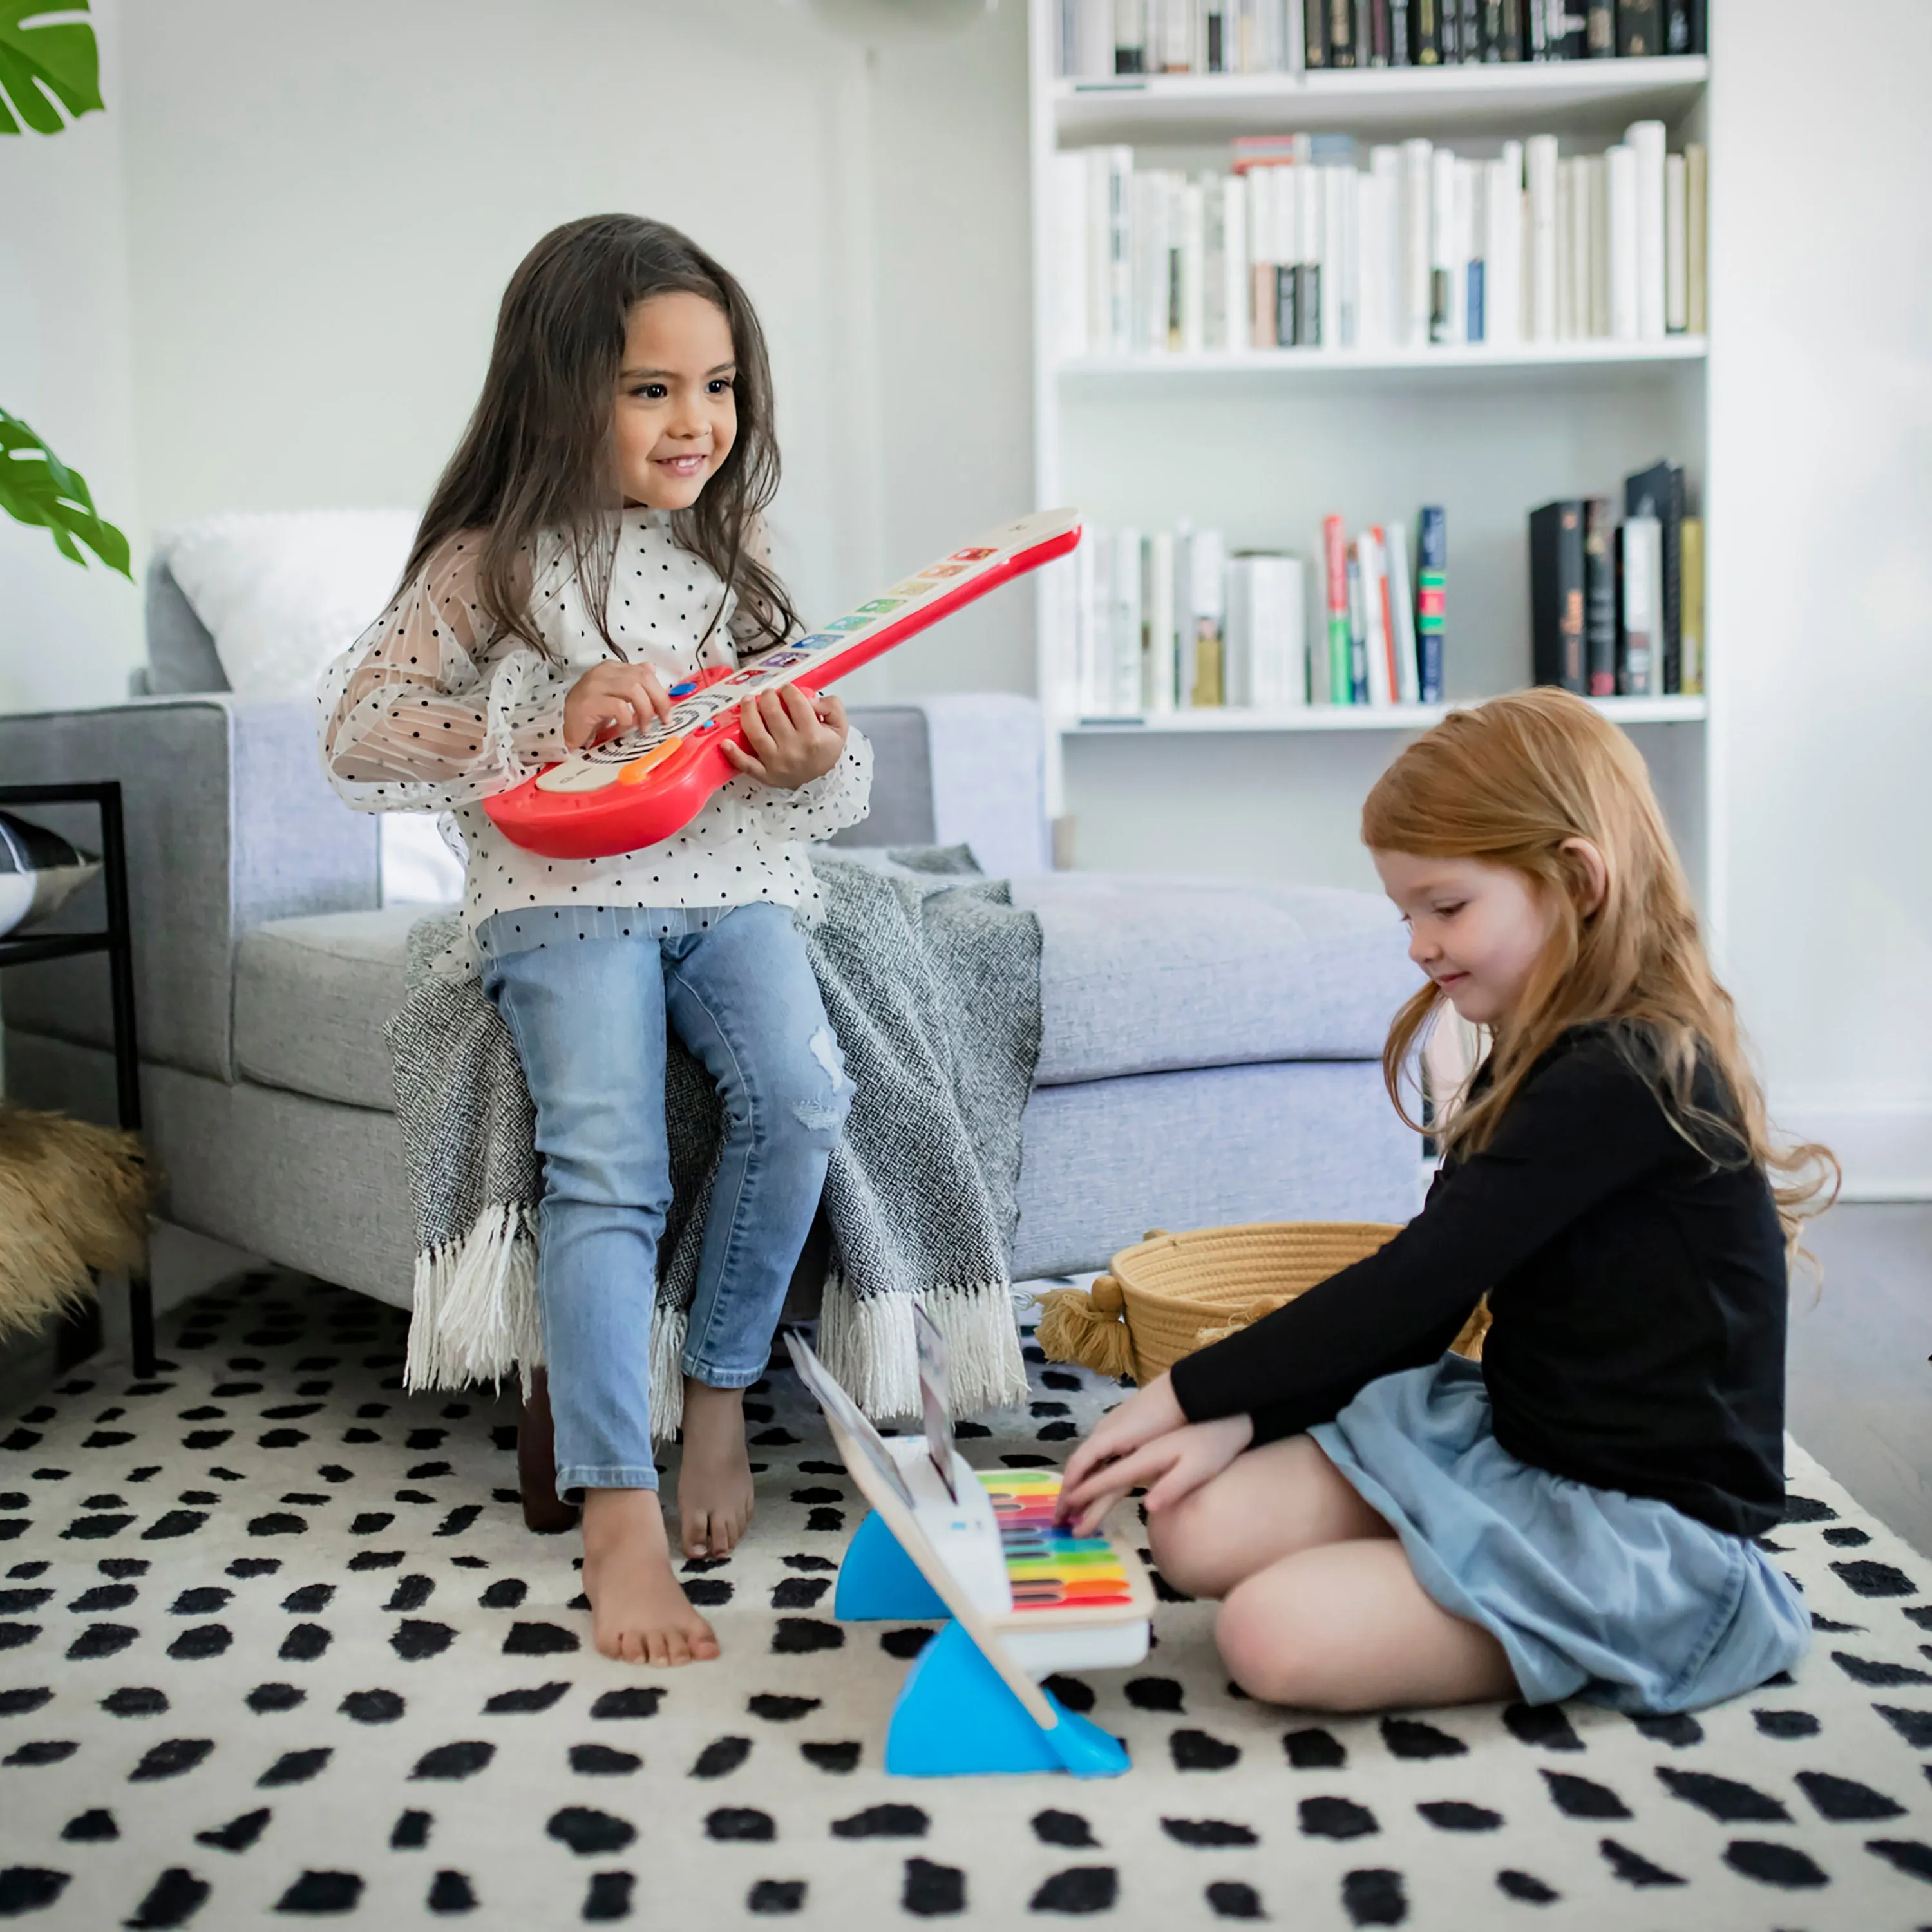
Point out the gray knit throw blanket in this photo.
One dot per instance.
(931, 984)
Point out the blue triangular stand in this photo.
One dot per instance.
(955, 1716)
(878, 1579)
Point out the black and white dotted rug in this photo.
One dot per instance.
(274, 1646)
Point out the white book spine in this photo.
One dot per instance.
(1599, 245)
(1266, 660)
(1469, 291)
(1088, 612)
(1235, 299)
(1379, 248)
(1119, 204)
(1151, 243)
(1646, 137)
(1565, 261)
(1540, 158)
(1193, 252)
(1697, 301)
(1579, 247)
(1338, 256)
(1070, 267)
(1287, 634)
(1123, 678)
(1401, 611)
(1368, 585)
(1416, 177)
(1441, 246)
(1201, 595)
(1160, 666)
(1310, 209)
(1502, 235)
(1620, 165)
(1093, 38)
(1643, 614)
(1676, 259)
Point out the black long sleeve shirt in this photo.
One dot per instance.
(1637, 1291)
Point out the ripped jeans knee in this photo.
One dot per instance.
(821, 1106)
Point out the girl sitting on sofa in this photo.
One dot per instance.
(594, 540)
(1387, 1524)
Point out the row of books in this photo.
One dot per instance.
(1617, 607)
(1097, 39)
(1297, 247)
(1147, 622)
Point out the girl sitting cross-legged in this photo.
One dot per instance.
(1387, 1524)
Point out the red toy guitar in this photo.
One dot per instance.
(633, 790)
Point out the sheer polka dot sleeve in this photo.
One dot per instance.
(813, 812)
(426, 711)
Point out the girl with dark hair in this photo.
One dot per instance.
(594, 540)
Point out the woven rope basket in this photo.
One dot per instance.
(1172, 1294)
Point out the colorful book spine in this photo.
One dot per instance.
(1358, 628)
(1599, 597)
(1334, 553)
(1432, 593)
(1690, 598)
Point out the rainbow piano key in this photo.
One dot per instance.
(1047, 1566)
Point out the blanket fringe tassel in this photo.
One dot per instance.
(867, 1345)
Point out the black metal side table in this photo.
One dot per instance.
(81, 1337)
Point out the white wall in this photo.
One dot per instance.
(68, 636)
(1821, 503)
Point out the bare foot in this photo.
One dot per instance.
(638, 1611)
(714, 1478)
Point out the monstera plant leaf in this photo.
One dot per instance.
(36, 487)
(43, 60)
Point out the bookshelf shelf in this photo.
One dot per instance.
(1598, 96)
(1353, 718)
(1590, 352)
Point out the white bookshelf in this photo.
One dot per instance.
(1262, 444)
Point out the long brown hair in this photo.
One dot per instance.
(539, 455)
(1509, 783)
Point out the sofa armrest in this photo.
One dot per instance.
(230, 823)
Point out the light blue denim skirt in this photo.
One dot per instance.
(1621, 1600)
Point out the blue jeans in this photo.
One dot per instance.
(586, 995)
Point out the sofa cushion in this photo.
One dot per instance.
(1148, 975)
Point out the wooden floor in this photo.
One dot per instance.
(1861, 1386)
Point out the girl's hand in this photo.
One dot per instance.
(1172, 1466)
(791, 739)
(1147, 1413)
(610, 696)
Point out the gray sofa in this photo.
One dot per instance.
(1210, 1052)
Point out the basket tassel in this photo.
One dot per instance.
(1087, 1327)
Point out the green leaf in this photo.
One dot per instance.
(41, 57)
(36, 487)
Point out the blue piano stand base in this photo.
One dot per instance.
(955, 1715)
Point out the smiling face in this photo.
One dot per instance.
(1477, 929)
(676, 416)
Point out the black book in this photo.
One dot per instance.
(1600, 32)
(1512, 29)
(1342, 33)
(1599, 598)
(1677, 30)
(1700, 26)
(1658, 492)
(1425, 31)
(1569, 30)
(1371, 31)
(1492, 30)
(1399, 52)
(1315, 33)
(1639, 28)
(1556, 596)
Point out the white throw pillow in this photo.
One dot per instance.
(282, 592)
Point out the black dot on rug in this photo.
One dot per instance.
(1071, 1692)
(775, 1895)
(905, 1644)
(1914, 1726)
(373, 1707)
(1864, 1578)
(175, 1522)
(1314, 1749)
(822, 1519)
(97, 1640)
(238, 1834)
(799, 1593)
(1527, 1887)
(638, 1701)
(1784, 1866)
(267, 1697)
(1335, 1818)
(1906, 1855)
(1677, 1729)
(450, 1892)
(1410, 1737)
(1063, 1827)
(587, 1832)
(803, 1562)
(1542, 1725)
(1845, 1537)
(29, 1888)
(201, 1640)
(245, 1567)
(1229, 1898)
(416, 1639)
(1633, 1867)
(1198, 1750)
(89, 1603)
(602, 1761)
(1723, 1798)
(91, 1827)
(883, 1821)
(173, 1899)
(321, 1891)
(200, 1602)
(1881, 1675)
(411, 1832)
(411, 1593)
(456, 1761)
(368, 1524)
(304, 1643)
(708, 1593)
(504, 1594)
(1581, 1797)
(1844, 1799)
(171, 1760)
(721, 1757)
(1208, 1833)
(295, 1767)
(731, 1823)
(609, 1896)
(1786, 1723)
(540, 1697)
(931, 1891)
(1080, 1889)
(88, 1528)
(135, 1700)
(1374, 1897)
(1154, 1693)
(41, 1751)
(798, 1636)
(532, 1640)
(309, 1599)
(281, 1522)
(17, 1701)
(1451, 1814)
(837, 1758)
